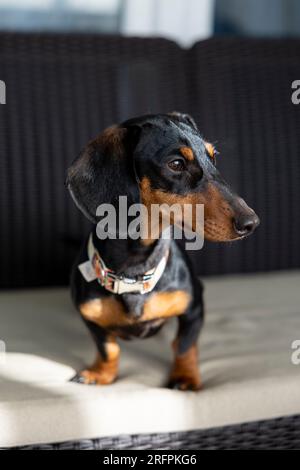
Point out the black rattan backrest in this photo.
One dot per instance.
(63, 89)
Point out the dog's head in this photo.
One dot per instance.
(158, 159)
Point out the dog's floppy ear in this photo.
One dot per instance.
(104, 171)
(185, 118)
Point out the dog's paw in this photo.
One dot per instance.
(91, 377)
(185, 383)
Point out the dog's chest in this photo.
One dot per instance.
(111, 314)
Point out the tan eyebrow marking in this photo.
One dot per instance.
(187, 153)
(210, 150)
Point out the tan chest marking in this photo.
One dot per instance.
(110, 312)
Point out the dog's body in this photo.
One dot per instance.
(178, 293)
(153, 159)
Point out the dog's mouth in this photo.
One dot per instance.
(225, 228)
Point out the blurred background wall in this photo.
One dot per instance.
(184, 21)
(73, 67)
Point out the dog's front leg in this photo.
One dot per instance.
(105, 368)
(185, 374)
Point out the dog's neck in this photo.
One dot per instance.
(130, 257)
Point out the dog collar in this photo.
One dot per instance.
(120, 284)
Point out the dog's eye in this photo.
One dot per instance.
(177, 165)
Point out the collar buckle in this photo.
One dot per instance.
(105, 277)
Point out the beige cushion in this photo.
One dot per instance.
(245, 361)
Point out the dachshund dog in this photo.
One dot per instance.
(127, 287)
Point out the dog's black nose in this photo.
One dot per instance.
(245, 224)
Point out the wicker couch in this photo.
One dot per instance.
(63, 89)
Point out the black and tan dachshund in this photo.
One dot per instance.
(137, 284)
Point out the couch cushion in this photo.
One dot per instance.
(245, 359)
